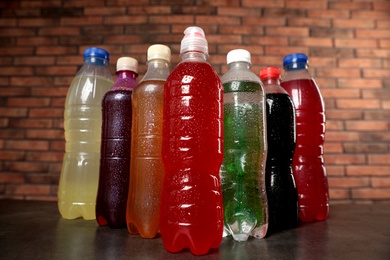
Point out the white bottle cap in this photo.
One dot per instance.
(238, 55)
(194, 40)
(159, 51)
(127, 63)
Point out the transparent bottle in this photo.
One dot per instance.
(243, 167)
(281, 137)
(308, 162)
(191, 213)
(82, 123)
(146, 167)
(115, 149)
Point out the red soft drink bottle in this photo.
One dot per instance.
(308, 163)
(115, 146)
(191, 213)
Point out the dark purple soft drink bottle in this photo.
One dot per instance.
(115, 148)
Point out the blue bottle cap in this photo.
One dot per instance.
(96, 52)
(295, 57)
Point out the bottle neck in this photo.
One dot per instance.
(239, 65)
(96, 61)
(270, 81)
(294, 71)
(193, 56)
(157, 70)
(296, 66)
(126, 74)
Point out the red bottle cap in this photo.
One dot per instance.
(270, 72)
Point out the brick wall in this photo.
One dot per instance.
(348, 42)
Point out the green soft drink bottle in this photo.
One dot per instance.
(245, 150)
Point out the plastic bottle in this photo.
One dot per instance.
(192, 149)
(115, 149)
(146, 168)
(83, 122)
(243, 168)
(281, 190)
(308, 163)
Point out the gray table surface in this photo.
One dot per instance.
(35, 230)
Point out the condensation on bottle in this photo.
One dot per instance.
(245, 152)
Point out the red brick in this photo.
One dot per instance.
(45, 156)
(358, 103)
(30, 123)
(104, 10)
(339, 193)
(376, 73)
(264, 21)
(16, 71)
(85, 20)
(277, 50)
(31, 81)
(340, 93)
(366, 148)
(367, 170)
(348, 159)
(384, 44)
(124, 19)
(56, 70)
(242, 30)
(57, 146)
(357, 43)
(13, 112)
(328, 14)
(46, 113)
(380, 182)
(351, 182)
(262, 3)
(349, 5)
(45, 134)
(378, 158)
(335, 170)
(343, 114)
(8, 92)
(359, 83)
(11, 155)
(34, 60)
(241, 12)
(363, 63)
(29, 189)
(49, 92)
(370, 193)
(371, 34)
(338, 73)
(383, 24)
(353, 23)
(373, 53)
(283, 31)
(334, 125)
(342, 136)
(26, 167)
(367, 125)
(13, 51)
(27, 145)
(28, 102)
(363, 14)
(12, 133)
(309, 41)
(12, 178)
(37, 22)
(56, 50)
(8, 22)
(332, 147)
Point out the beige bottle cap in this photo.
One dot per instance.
(127, 63)
(159, 51)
